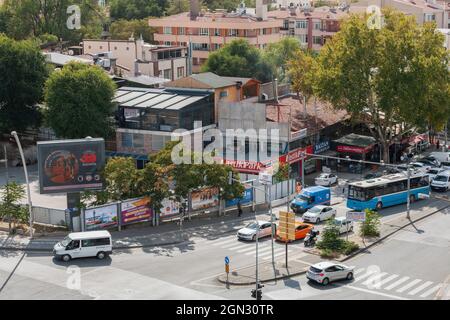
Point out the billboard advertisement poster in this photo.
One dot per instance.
(169, 207)
(204, 198)
(136, 210)
(70, 165)
(100, 217)
(247, 198)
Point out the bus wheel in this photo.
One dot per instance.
(379, 206)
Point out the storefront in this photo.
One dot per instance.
(356, 147)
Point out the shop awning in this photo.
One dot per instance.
(354, 143)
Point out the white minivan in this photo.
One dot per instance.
(84, 244)
(441, 181)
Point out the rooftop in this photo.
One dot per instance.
(358, 140)
(317, 118)
(60, 59)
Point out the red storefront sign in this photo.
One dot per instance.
(352, 149)
(296, 155)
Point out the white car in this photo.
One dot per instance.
(433, 172)
(326, 272)
(421, 166)
(326, 179)
(319, 213)
(249, 232)
(344, 225)
(441, 182)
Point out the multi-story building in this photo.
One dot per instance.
(137, 57)
(208, 31)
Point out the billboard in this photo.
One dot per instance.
(100, 217)
(169, 207)
(136, 210)
(70, 165)
(204, 198)
(247, 198)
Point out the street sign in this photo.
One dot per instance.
(356, 215)
(286, 226)
(227, 260)
(265, 178)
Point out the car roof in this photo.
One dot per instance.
(323, 265)
(340, 218)
(444, 173)
(89, 235)
(319, 206)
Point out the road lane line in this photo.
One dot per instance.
(239, 247)
(221, 243)
(375, 292)
(384, 281)
(252, 248)
(409, 285)
(420, 288)
(233, 244)
(396, 283)
(265, 252)
(374, 278)
(432, 290)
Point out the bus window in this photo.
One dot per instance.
(357, 193)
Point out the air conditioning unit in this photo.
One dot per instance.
(264, 97)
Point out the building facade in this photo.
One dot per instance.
(137, 57)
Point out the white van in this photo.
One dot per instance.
(84, 244)
(441, 181)
(441, 156)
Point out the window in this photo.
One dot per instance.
(95, 242)
(264, 31)
(217, 32)
(223, 94)
(101, 47)
(317, 25)
(180, 72)
(128, 48)
(303, 38)
(430, 17)
(168, 74)
(132, 140)
(167, 30)
(232, 32)
(204, 31)
(115, 48)
(286, 24)
(168, 43)
(74, 244)
(301, 24)
(317, 40)
(181, 31)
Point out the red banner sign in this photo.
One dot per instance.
(352, 149)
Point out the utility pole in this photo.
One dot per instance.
(408, 201)
(287, 160)
(6, 163)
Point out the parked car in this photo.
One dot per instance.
(431, 161)
(441, 156)
(344, 225)
(301, 230)
(249, 231)
(445, 165)
(441, 182)
(326, 272)
(326, 179)
(319, 213)
(421, 166)
(433, 172)
(84, 244)
(309, 197)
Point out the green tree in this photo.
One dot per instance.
(278, 53)
(137, 9)
(282, 173)
(177, 6)
(22, 76)
(10, 207)
(79, 101)
(124, 29)
(371, 226)
(301, 73)
(390, 78)
(238, 59)
(228, 5)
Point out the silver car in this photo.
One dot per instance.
(326, 272)
(249, 232)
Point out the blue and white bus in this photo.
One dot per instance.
(386, 191)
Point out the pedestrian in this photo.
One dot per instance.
(437, 145)
(239, 207)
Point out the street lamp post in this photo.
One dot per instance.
(30, 209)
(408, 200)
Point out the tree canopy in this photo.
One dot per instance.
(79, 101)
(238, 59)
(392, 79)
(277, 55)
(137, 9)
(123, 29)
(22, 76)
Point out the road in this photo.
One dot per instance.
(415, 259)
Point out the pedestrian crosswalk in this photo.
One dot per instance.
(374, 279)
(248, 248)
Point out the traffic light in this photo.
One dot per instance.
(257, 294)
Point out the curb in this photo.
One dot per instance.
(261, 281)
(390, 234)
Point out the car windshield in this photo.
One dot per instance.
(314, 210)
(433, 171)
(441, 178)
(336, 222)
(252, 225)
(66, 241)
(303, 197)
(323, 176)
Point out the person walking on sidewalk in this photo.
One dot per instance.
(239, 207)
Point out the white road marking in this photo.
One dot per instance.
(376, 292)
(251, 248)
(359, 271)
(384, 281)
(420, 288)
(233, 244)
(396, 283)
(261, 252)
(373, 280)
(367, 274)
(269, 253)
(432, 290)
(409, 285)
(221, 243)
(238, 247)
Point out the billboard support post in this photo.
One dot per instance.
(119, 215)
(83, 221)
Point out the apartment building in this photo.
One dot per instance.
(138, 57)
(208, 31)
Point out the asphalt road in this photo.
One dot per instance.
(418, 256)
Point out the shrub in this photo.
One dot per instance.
(349, 247)
(370, 227)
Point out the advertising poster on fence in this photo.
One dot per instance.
(204, 198)
(247, 198)
(169, 207)
(101, 217)
(136, 210)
